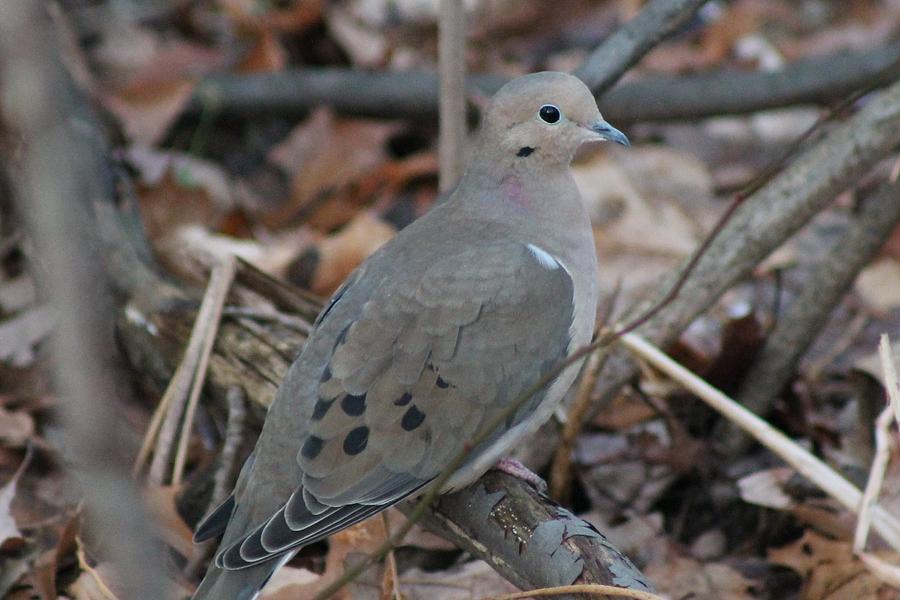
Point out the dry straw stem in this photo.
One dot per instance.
(586, 588)
(208, 318)
(792, 453)
(187, 382)
(883, 570)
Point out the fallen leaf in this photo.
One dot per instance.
(829, 569)
(336, 256)
(147, 113)
(43, 575)
(16, 428)
(9, 530)
(879, 284)
(20, 334)
(682, 577)
(160, 501)
(323, 156)
(286, 583)
(17, 294)
(766, 488)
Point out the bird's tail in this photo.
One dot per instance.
(243, 584)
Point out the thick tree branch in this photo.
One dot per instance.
(767, 219)
(414, 95)
(510, 526)
(830, 278)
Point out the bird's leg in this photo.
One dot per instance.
(511, 466)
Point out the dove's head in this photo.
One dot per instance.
(546, 117)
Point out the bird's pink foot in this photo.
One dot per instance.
(511, 466)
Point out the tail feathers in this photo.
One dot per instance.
(221, 584)
(214, 523)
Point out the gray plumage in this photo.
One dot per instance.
(428, 340)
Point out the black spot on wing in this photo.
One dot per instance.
(524, 151)
(403, 400)
(326, 375)
(354, 405)
(321, 407)
(356, 440)
(412, 418)
(442, 383)
(311, 447)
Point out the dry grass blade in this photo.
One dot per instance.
(883, 570)
(184, 388)
(848, 495)
(211, 312)
(891, 382)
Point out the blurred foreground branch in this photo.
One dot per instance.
(55, 176)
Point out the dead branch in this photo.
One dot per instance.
(767, 219)
(798, 326)
(528, 538)
(414, 95)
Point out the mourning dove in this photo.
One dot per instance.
(428, 340)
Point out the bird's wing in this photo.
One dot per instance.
(411, 369)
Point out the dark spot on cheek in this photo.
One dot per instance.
(311, 447)
(356, 440)
(525, 151)
(354, 405)
(412, 418)
(321, 407)
(403, 400)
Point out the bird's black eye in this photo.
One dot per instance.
(549, 114)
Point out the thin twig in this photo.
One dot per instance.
(452, 68)
(891, 382)
(561, 470)
(832, 483)
(216, 292)
(223, 480)
(876, 478)
(882, 446)
(584, 588)
(390, 586)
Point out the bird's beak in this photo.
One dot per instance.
(608, 132)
